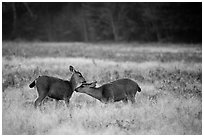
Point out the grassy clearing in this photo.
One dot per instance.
(118, 52)
(170, 101)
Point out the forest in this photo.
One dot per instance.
(102, 22)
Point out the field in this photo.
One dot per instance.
(170, 76)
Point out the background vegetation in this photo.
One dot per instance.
(170, 76)
(91, 22)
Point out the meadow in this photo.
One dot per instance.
(170, 76)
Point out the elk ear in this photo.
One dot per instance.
(93, 84)
(71, 68)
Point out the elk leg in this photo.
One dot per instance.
(40, 98)
(66, 99)
(132, 99)
(125, 100)
(56, 103)
(111, 100)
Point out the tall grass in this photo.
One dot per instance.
(165, 115)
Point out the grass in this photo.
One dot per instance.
(170, 101)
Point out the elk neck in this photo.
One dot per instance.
(95, 92)
(73, 83)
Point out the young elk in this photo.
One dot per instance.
(56, 88)
(122, 89)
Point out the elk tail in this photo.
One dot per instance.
(33, 83)
(139, 89)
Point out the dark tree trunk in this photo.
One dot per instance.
(14, 19)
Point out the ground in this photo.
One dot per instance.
(170, 76)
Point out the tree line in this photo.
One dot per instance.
(100, 21)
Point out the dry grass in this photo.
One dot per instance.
(170, 101)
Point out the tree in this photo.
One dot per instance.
(13, 6)
(102, 21)
(111, 14)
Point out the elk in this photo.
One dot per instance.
(121, 89)
(56, 88)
